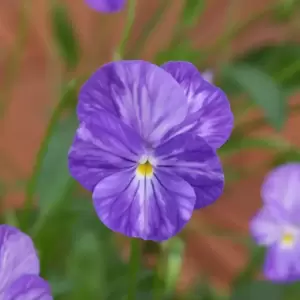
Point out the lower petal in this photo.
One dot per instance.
(17, 255)
(191, 158)
(28, 287)
(154, 208)
(282, 265)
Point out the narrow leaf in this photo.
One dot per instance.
(64, 35)
(262, 90)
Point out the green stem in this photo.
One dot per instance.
(14, 59)
(135, 257)
(129, 23)
(10, 217)
(158, 282)
(150, 26)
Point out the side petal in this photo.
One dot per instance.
(282, 265)
(106, 6)
(28, 287)
(102, 146)
(151, 209)
(17, 255)
(209, 112)
(141, 94)
(281, 186)
(191, 158)
(266, 225)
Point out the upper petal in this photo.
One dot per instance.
(17, 255)
(102, 146)
(151, 209)
(28, 287)
(209, 112)
(191, 158)
(106, 6)
(282, 186)
(141, 94)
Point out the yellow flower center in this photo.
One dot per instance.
(145, 169)
(288, 239)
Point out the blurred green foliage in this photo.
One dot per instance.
(80, 257)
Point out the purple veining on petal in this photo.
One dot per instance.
(209, 112)
(102, 146)
(28, 287)
(106, 6)
(17, 256)
(154, 208)
(191, 158)
(141, 94)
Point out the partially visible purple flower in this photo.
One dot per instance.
(106, 6)
(277, 224)
(148, 173)
(19, 267)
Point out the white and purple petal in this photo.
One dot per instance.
(282, 186)
(266, 226)
(28, 287)
(191, 158)
(106, 6)
(208, 75)
(141, 94)
(17, 256)
(102, 146)
(281, 264)
(209, 113)
(154, 208)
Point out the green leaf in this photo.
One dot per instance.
(85, 268)
(192, 10)
(54, 180)
(262, 90)
(64, 35)
(258, 290)
(292, 155)
(238, 143)
(281, 62)
(285, 10)
(181, 51)
(254, 265)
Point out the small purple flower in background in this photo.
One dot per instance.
(277, 224)
(106, 6)
(208, 75)
(146, 145)
(19, 267)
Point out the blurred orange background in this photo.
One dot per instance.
(33, 97)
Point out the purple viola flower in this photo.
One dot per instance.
(277, 224)
(106, 6)
(19, 267)
(146, 172)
